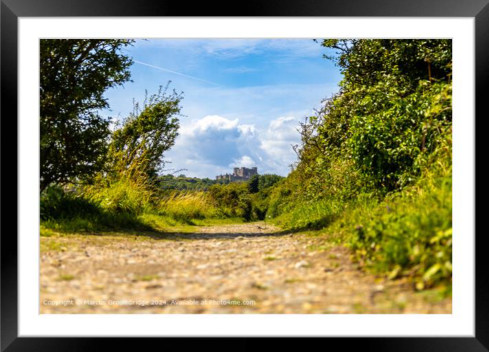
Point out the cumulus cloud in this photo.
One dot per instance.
(277, 143)
(245, 161)
(212, 122)
(215, 144)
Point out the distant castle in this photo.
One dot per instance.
(239, 174)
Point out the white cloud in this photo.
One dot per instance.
(211, 122)
(283, 128)
(213, 140)
(215, 144)
(277, 143)
(245, 161)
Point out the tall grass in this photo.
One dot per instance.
(409, 233)
(125, 204)
(69, 209)
(124, 195)
(405, 233)
(311, 214)
(110, 203)
(187, 206)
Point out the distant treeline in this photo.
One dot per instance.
(183, 183)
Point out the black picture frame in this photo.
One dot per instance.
(11, 10)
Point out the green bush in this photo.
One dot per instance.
(260, 203)
(268, 180)
(234, 198)
(387, 143)
(409, 234)
(58, 204)
(281, 198)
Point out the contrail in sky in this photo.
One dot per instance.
(177, 73)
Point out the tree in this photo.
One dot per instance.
(268, 180)
(253, 184)
(139, 144)
(393, 109)
(366, 62)
(74, 75)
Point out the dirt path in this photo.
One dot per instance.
(246, 268)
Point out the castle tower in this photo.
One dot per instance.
(239, 174)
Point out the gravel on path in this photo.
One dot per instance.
(244, 268)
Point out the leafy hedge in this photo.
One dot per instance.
(375, 162)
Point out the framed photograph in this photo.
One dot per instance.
(289, 170)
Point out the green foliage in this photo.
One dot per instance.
(188, 206)
(268, 180)
(366, 62)
(282, 198)
(146, 134)
(71, 210)
(243, 200)
(311, 215)
(260, 202)
(410, 232)
(182, 183)
(234, 198)
(126, 191)
(74, 75)
(413, 237)
(375, 163)
(123, 195)
(387, 145)
(58, 204)
(394, 103)
(253, 184)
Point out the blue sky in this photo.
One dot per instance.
(243, 98)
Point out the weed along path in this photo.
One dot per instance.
(242, 268)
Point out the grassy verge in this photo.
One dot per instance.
(144, 223)
(406, 234)
(128, 206)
